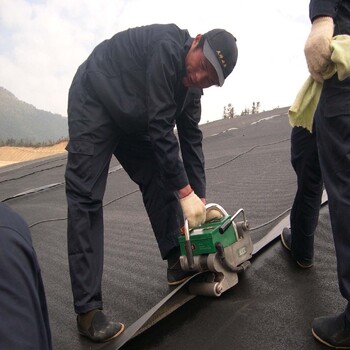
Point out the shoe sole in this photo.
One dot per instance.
(284, 243)
(122, 327)
(303, 266)
(325, 343)
(175, 283)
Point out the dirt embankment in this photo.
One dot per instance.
(12, 155)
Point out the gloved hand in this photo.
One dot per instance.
(193, 209)
(317, 46)
(213, 214)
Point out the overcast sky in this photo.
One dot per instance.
(42, 42)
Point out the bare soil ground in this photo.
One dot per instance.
(11, 155)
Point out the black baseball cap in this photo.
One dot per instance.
(221, 51)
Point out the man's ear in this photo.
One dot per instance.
(196, 40)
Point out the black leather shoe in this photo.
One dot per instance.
(175, 274)
(333, 331)
(286, 239)
(100, 329)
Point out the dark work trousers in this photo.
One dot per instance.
(333, 136)
(94, 138)
(306, 206)
(24, 320)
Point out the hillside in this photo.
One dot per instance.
(21, 121)
(12, 155)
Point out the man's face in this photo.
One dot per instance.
(199, 72)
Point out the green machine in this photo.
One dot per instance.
(222, 247)
(204, 237)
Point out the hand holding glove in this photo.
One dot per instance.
(317, 46)
(193, 208)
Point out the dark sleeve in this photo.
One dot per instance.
(191, 137)
(319, 8)
(24, 322)
(162, 82)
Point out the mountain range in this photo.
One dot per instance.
(22, 123)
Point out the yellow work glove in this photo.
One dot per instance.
(193, 209)
(317, 46)
(213, 214)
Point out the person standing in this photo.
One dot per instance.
(332, 122)
(126, 100)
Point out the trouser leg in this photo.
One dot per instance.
(90, 148)
(306, 205)
(162, 205)
(334, 152)
(85, 236)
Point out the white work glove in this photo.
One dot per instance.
(317, 46)
(213, 214)
(193, 209)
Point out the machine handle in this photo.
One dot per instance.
(216, 206)
(227, 224)
(188, 246)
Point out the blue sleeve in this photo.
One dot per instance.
(191, 137)
(320, 8)
(163, 85)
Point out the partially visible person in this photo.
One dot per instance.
(299, 238)
(126, 100)
(24, 321)
(332, 123)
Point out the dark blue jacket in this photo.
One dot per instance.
(137, 76)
